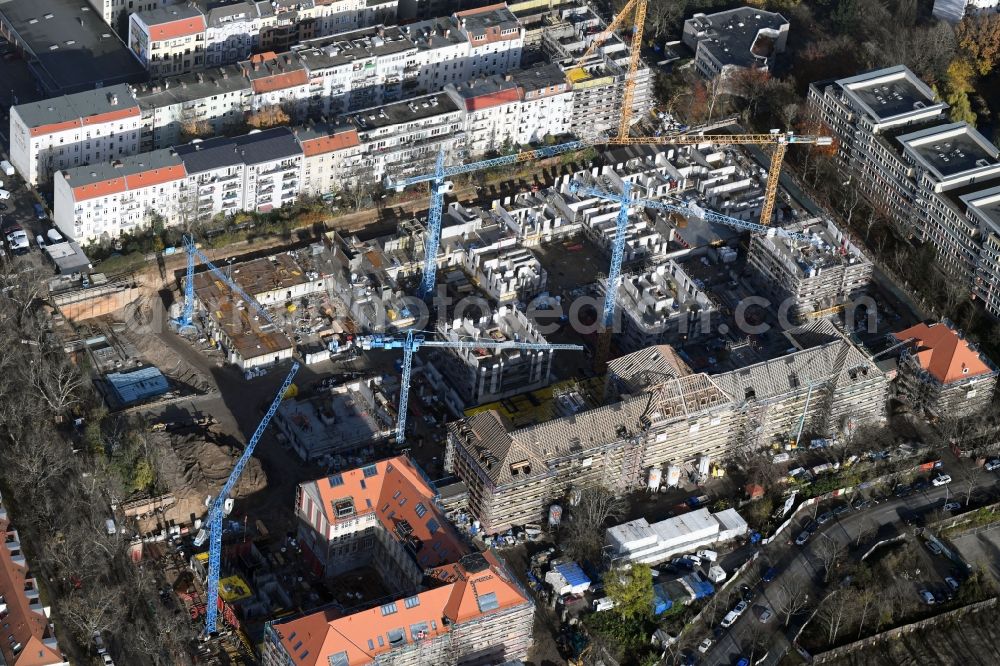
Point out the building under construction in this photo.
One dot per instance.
(661, 414)
(815, 275)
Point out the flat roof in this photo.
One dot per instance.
(539, 77)
(986, 205)
(951, 150)
(349, 47)
(434, 33)
(407, 111)
(240, 323)
(73, 48)
(890, 93)
(732, 36)
(192, 86)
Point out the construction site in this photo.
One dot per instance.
(335, 493)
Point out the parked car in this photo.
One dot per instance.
(704, 646)
(108, 661)
(734, 614)
(927, 597)
(769, 575)
(824, 517)
(952, 583)
(39, 211)
(4, 195)
(801, 539)
(765, 615)
(992, 464)
(934, 548)
(952, 506)
(7, 168)
(920, 484)
(941, 480)
(841, 509)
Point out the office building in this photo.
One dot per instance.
(735, 40)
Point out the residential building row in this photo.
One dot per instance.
(660, 413)
(447, 603)
(174, 39)
(937, 181)
(329, 77)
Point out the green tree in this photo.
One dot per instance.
(979, 38)
(144, 476)
(959, 81)
(631, 590)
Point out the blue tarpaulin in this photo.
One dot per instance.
(573, 574)
(661, 600)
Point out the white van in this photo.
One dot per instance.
(110, 526)
(7, 168)
(4, 194)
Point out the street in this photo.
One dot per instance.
(799, 568)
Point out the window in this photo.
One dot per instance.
(488, 602)
(411, 602)
(418, 631)
(369, 471)
(340, 659)
(402, 501)
(433, 526)
(389, 608)
(335, 480)
(421, 510)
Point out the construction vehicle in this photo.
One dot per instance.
(411, 343)
(217, 510)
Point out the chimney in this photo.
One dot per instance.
(113, 99)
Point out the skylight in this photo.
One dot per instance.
(488, 602)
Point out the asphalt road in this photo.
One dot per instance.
(801, 568)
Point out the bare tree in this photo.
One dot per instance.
(789, 599)
(828, 551)
(583, 532)
(55, 380)
(834, 611)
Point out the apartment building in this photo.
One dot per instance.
(407, 136)
(64, 132)
(115, 11)
(233, 30)
(31, 637)
(259, 172)
(919, 169)
(943, 374)
(201, 104)
(169, 40)
(108, 199)
(473, 612)
(480, 376)
(493, 109)
(330, 157)
(447, 603)
(279, 82)
(663, 415)
(804, 277)
(256, 172)
(734, 40)
(546, 103)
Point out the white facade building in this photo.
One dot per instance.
(69, 131)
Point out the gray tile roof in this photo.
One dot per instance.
(169, 14)
(639, 370)
(122, 167)
(273, 144)
(77, 105)
(193, 86)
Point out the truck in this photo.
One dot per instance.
(695, 502)
(7, 168)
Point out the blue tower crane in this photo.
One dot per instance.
(184, 322)
(411, 343)
(692, 210)
(440, 186)
(216, 511)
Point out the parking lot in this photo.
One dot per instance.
(981, 545)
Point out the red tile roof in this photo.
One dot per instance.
(942, 353)
(99, 189)
(311, 640)
(482, 10)
(392, 490)
(280, 81)
(176, 29)
(331, 143)
(29, 628)
(111, 116)
(489, 100)
(52, 128)
(154, 177)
